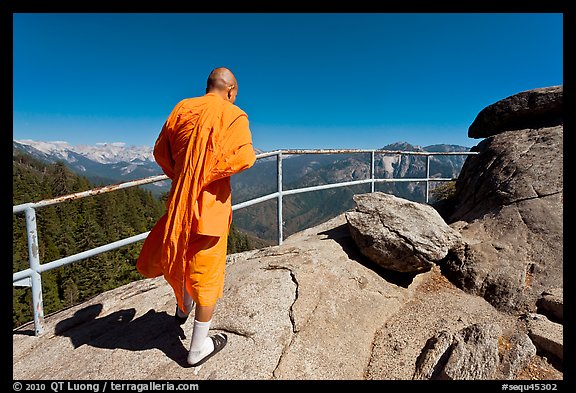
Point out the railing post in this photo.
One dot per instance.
(372, 171)
(34, 260)
(279, 178)
(427, 174)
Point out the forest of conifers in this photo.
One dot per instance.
(78, 225)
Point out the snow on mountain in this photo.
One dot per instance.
(59, 149)
(103, 153)
(104, 163)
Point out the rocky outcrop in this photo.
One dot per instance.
(531, 109)
(477, 352)
(515, 352)
(509, 208)
(551, 304)
(399, 234)
(470, 354)
(313, 308)
(547, 335)
(509, 213)
(304, 310)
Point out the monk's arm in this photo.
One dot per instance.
(244, 157)
(237, 153)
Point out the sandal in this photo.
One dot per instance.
(219, 340)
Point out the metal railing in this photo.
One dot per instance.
(31, 277)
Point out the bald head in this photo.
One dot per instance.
(222, 82)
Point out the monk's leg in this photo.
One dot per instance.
(201, 345)
(204, 313)
(207, 276)
(182, 315)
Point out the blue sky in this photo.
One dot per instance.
(335, 80)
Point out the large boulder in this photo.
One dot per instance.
(399, 234)
(534, 108)
(509, 211)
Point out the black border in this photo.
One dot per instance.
(10, 7)
(317, 385)
(283, 6)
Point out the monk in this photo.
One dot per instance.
(203, 142)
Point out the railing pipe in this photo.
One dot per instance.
(379, 151)
(92, 252)
(255, 201)
(328, 186)
(83, 194)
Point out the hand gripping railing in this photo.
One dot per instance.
(31, 277)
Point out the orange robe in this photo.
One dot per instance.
(203, 142)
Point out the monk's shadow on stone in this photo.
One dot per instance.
(120, 330)
(341, 235)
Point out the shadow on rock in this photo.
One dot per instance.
(341, 235)
(120, 330)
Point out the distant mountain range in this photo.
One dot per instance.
(110, 163)
(104, 163)
(103, 153)
(301, 211)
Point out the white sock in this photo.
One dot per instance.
(200, 345)
(188, 303)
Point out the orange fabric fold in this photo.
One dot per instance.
(205, 271)
(203, 142)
